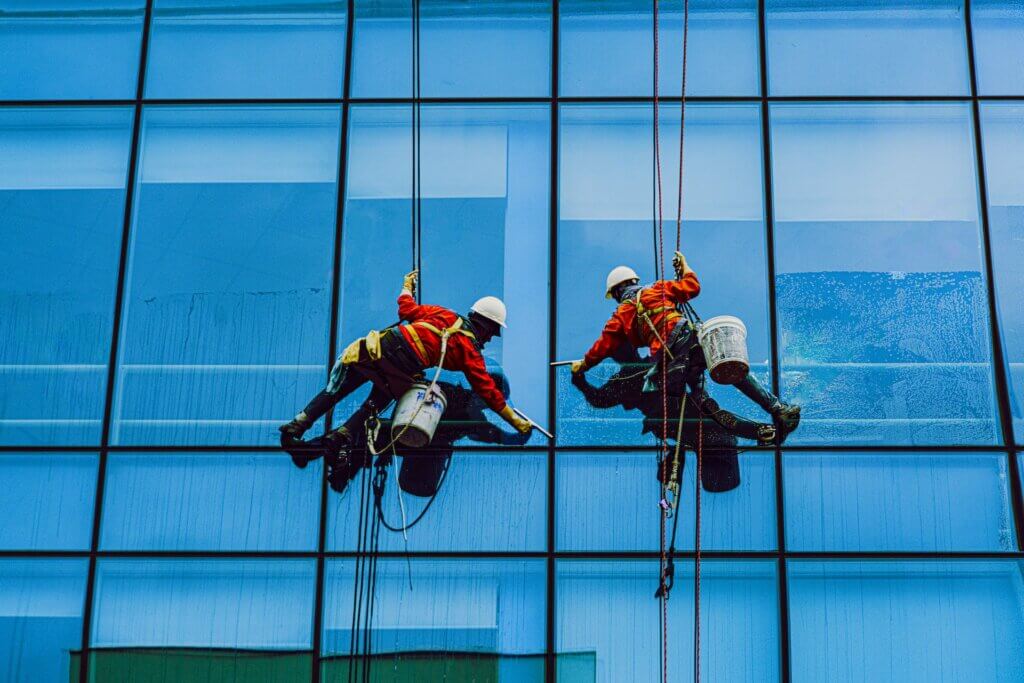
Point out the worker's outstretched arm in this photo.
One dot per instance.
(686, 286)
(612, 336)
(466, 356)
(408, 309)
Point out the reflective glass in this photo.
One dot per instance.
(209, 501)
(47, 499)
(998, 27)
(467, 49)
(40, 617)
(884, 327)
(1002, 127)
(246, 48)
(898, 502)
(238, 604)
(605, 219)
(62, 191)
(485, 185)
(485, 502)
(226, 304)
(866, 47)
(913, 621)
(70, 49)
(606, 610)
(444, 612)
(605, 48)
(609, 502)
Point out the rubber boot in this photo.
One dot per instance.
(291, 440)
(764, 434)
(786, 416)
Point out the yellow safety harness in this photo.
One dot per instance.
(443, 334)
(646, 313)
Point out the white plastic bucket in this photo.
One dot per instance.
(417, 415)
(724, 342)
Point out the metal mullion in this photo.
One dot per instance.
(115, 335)
(550, 623)
(999, 366)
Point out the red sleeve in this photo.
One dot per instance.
(682, 290)
(471, 362)
(409, 310)
(611, 338)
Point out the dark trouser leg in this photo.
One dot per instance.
(730, 422)
(785, 416)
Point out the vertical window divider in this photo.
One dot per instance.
(550, 636)
(998, 359)
(332, 342)
(115, 334)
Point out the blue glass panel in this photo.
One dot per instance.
(1002, 126)
(486, 502)
(606, 609)
(605, 48)
(916, 622)
(453, 606)
(898, 502)
(40, 617)
(47, 499)
(244, 604)
(62, 178)
(881, 298)
(496, 49)
(604, 220)
(863, 47)
(484, 231)
(609, 502)
(209, 501)
(70, 49)
(226, 306)
(246, 48)
(998, 27)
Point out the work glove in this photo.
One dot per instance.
(519, 424)
(577, 367)
(409, 282)
(680, 265)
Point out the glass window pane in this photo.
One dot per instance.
(226, 307)
(906, 621)
(1002, 126)
(605, 48)
(62, 191)
(609, 501)
(898, 502)
(998, 27)
(605, 198)
(179, 603)
(47, 499)
(473, 49)
(70, 49)
(459, 620)
(486, 502)
(606, 611)
(209, 501)
(246, 48)
(484, 231)
(40, 618)
(881, 297)
(862, 47)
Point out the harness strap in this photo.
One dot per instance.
(456, 328)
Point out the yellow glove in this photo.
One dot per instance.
(409, 282)
(519, 424)
(577, 367)
(680, 265)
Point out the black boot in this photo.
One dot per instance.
(764, 434)
(337, 443)
(786, 417)
(292, 443)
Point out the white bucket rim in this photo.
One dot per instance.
(720, 321)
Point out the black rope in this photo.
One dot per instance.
(423, 512)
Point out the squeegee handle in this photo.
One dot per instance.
(535, 425)
(557, 363)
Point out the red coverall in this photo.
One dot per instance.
(659, 300)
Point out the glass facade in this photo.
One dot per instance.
(201, 202)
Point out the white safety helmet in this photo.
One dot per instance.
(490, 307)
(619, 275)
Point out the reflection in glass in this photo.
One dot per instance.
(898, 502)
(863, 47)
(916, 621)
(605, 48)
(70, 49)
(40, 617)
(475, 49)
(605, 198)
(998, 46)
(62, 192)
(226, 304)
(246, 48)
(209, 501)
(47, 499)
(1002, 127)
(606, 611)
(884, 327)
